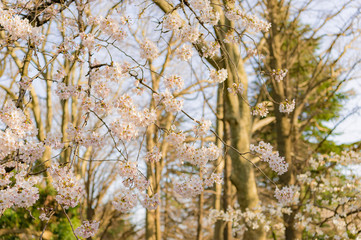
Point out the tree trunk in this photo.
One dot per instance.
(200, 217)
(219, 225)
(281, 92)
(237, 116)
(153, 231)
(227, 194)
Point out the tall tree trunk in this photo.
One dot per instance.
(237, 116)
(65, 155)
(227, 194)
(200, 216)
(280, 92)
(152, 216)
(219, 225)
(284, 147)
(154, 170)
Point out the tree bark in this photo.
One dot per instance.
(219, 225)
(280, 92)
(237, 116)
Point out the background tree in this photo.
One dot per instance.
(313, 81)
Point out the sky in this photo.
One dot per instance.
(348, 130)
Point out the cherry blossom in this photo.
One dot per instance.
(68, 188)
(125, 200)
(276, 162)
(87, 229)
(287, 106)
(149, 50)
(279, 74)
(260, 109)
(219, 76)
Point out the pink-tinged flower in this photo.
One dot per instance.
(287, 195)
(276, 163)
(148, 50)
(287, 106)
(88, 229)
(125, 200)
(219, 76)
(69, 189)
(150, 202)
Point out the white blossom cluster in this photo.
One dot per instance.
(242, 220)
(150, 202)
(189, 33)
(153, 156)
(260, 109)
(176, 138)
(287, 195)
(171, 104)
(114, 73)
(279, 74)
(9, 142)
(31, 151)
(231, 37)
(127, 169)
(129, 112)
(249, 21)
(172, 22)
(69, 189)
(20, 124)
(237, 88)
(219, 76)
(174, 82)
(68, 46)
(125, 131)
(88, 40)
(207, 13)
(43, 217)
(183, 30)
(287, 106)
(83, 137)
(275, 162)
(125, 200)
(198, 157)
(191, 186)
(184, 53)
(148, 50)
(17, 27)
(202, 128)
(109, 26)
(5, 177)
(65, 91)
(16, 188)
(213, 178)
(188, 186)
(210, 49)
(134, 180)
(131, 120)
(87, 229)
(345, 195)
